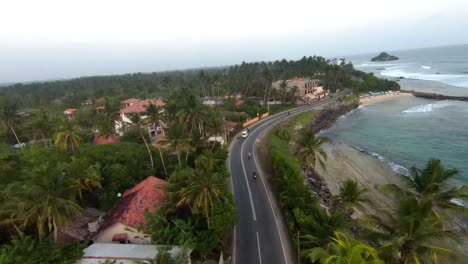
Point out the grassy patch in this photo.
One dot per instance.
(274, 109)
(303, 119)
(349, 98)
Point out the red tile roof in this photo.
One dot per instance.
(100, 107)
(70, 111)
(129, 209)
(230, 125)
(100, 100)
(130, 101)
(88, 101)
(238, 103)
(139, 106)
(102, 140)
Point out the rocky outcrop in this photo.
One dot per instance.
(319, 187)
(327, 116)
(384, 56)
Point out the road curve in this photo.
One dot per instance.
(257, 236)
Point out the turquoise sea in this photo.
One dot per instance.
(409, 131)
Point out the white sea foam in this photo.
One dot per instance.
(426, 67)
(376, 64)
(429, 107)
(398, 168)
(381, 158)
(460, 80)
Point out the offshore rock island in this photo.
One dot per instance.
(384, 56)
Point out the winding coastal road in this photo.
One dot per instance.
(259, 236)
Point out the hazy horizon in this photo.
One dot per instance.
(53, 40)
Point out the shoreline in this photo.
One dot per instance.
(383, 98)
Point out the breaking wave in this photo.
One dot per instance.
(460, 80)
(428, 107)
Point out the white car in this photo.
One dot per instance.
(245, 133)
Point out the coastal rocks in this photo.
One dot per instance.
(384, 56)
(327, 117)
(438, 96)
(319, 187)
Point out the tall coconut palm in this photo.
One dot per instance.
(344, 250)
(176, 138)
(215, 127)
(433, 183)
(9, 118)
(310, 151)
(47, 198)
(67, 135)
(192, 113)
(409, 233)
(85, 176)
(204, 189)
(284, 86)
(154, 117)
(351, 195)
(42, 127)
(136, 120)
(321, 226)
(294, 91)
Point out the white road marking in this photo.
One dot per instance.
(259, 252)
(234, 246)
(267, 121)
(254, 215)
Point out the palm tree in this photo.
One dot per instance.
(294, 90)
(310, 149)
(432, 183)
(136, 120)
(42, 127)
(321, 226)
(85, 176)
(284, 86)
(344, 250)
(176, 138)
(215, 127)
(351, 195)
(9, 118)
(154, 116)
(204, 189)
(67, 135)
(409, 233)
(105, 125)
(45, 198)
(193, 114)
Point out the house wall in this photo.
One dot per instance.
(135, 237)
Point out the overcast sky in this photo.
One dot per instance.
(51, 39)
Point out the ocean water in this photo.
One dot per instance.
(408, 132)
(441, 69)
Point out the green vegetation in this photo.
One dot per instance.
(54, 170)
(419, 227)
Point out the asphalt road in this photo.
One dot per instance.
(257, 236)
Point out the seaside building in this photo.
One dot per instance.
(134, 106)
(70, 113)
(122, 222)
(308, 89)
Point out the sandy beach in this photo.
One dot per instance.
(346, 162)
(382, 98)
